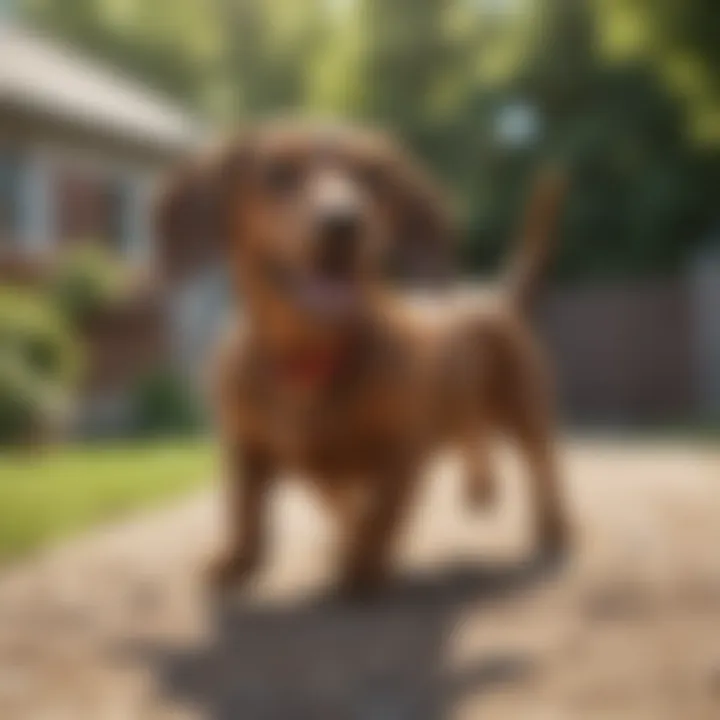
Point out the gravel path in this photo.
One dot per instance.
(115, 625)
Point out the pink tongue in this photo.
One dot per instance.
(329, 297)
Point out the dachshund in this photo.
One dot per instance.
(334, 371)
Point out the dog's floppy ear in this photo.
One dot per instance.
(423, 248)
(192, 209)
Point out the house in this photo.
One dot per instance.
(81, 148)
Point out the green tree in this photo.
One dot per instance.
(482, 90)
(172, 45)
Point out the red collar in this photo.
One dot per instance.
(312, 367)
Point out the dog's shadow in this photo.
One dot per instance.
(321, 658)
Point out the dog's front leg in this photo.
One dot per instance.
(375, 523)
(248, 477)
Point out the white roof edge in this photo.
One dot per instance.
(42, 74)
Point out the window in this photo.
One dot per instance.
(91, 207)
(10, 198)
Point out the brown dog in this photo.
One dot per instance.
(334, 375)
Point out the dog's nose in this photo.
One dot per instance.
(338, 235)
(340, 227)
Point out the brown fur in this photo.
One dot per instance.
(405, 375)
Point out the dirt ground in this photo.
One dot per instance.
(115, 625)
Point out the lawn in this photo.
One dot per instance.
(54, 493)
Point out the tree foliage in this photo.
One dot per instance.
(627, 92)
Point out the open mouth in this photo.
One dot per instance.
(320, 294)
(329, 296)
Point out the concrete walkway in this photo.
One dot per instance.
(115, 624)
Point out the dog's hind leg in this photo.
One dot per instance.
(480, 485)
(339, 499)
(534, 436)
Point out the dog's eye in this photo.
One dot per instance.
(282, 176)
(373, 177)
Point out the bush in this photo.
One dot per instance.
(87, 280)
(164, 405)
(29, 405)
(39, 363)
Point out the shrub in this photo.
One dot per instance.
(39, 363)
(87, 280)
(29, 404)
(164, 405)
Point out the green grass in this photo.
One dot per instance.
(49, 494)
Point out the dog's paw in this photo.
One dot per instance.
(360, 586)
(229, 570)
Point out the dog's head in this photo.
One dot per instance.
(308, 218)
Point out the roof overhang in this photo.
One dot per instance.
(41, 77)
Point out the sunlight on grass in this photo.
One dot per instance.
(54, 493)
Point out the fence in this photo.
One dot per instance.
(641, 352)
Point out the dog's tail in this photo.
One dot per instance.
(537, 237)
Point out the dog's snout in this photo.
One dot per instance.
(340, 227)
(338, 236)
(338, 223)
